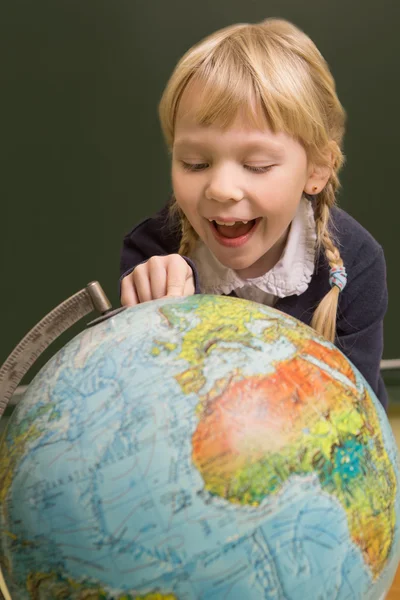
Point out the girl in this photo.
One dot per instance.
(255, 130)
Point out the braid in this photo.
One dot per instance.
(188, 235)
(324, 318)
(189, 238)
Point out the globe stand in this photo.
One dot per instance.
(4, 593)
(61, 318)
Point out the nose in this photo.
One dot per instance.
(223, 186)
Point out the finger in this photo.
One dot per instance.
(128, 292)
(157, 277)
(178, 272)
(142, 283)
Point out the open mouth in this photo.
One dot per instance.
(234, 230)
(235, 233)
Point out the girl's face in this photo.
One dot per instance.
(239, 187)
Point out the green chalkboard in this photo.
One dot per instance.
(82, 155)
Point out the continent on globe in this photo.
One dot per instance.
(306, 416)
(51, 586)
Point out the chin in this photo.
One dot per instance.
(237, 264)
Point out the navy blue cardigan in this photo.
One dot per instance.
(362, 304)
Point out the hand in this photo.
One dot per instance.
(159, 277)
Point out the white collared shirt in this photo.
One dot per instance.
(290, 276)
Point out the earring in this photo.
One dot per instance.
(315, 188)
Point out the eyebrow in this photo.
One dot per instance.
(269, 147)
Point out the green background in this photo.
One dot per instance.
(83, 158)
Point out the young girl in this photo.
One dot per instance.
(255, 130)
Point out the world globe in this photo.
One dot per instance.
(199, 448)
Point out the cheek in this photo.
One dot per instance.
(281, 195)
(276, 203)
(184, 190)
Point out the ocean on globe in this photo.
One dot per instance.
(199, 448)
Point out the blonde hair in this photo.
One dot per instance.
(276, 64)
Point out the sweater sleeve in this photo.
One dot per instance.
(155, 236)
(360, 322)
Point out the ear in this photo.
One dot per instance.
(318, 177)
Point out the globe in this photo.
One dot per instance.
(199, 448)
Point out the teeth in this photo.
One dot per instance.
(228, 224)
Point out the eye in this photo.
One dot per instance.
(194, 167)
(258, 169)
